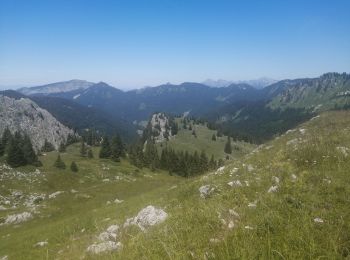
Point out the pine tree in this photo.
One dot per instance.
(82, 149)
(6, 137)
(105, 151)
(62, 148)
(59, 163)
(212, 163)
(28, 151)
(116, 148)
(228, 148)
(203, 162)
(90, 154)
(213, 137)
(2, 149)
(48, 147)
(15, 156)
(74, 167)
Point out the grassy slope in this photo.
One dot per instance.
(185, 141)
(282, 223)
(61, 220)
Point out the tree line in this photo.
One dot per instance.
(18, 149)
(181, 163)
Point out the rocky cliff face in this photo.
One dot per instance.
(160, 127)
(27, 117)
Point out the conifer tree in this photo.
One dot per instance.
(203, 162)
(82, 149)
(228, 148)
(74, 167)
(59, 163)
(90, 154)
(28, 151)
(2, 149)
(48, 147)
(62, 148)
(105, 151)
(6, 137)
(212, 163)
(116, 148)
(15, 157)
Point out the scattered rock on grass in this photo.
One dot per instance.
(272, 189)
(18, 218)
(205, 191)
(98, 248)
(318, 220)
(55, 194)
(41, 244)
(147, 217)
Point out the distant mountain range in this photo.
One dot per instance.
(257, 83)
(238, 109)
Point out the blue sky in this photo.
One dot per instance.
(132, 44)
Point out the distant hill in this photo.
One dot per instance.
(80, 117)
(58, 87)
(240, 109)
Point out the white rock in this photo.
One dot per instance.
(118, 201)
(18, 218)
(104, 247)
(343, 150)
(2, 208)
(108, 202)
(318, 220)
(214, 240)
(294, 177)
(220, 170)
(73, 191)
(147, 217)
(276, 179)
(55, 194)
(41, 244)
(205, 191)
(272, 189)
(252, 204)
(302, 130)
(107, 236)
(113, 229)
(250, 168)
(233, 213)
(231, 225)
(248, 227)
(5, 257)
(236, 183)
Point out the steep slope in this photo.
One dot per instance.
(80, 117)
(24, 115)
(331, 90)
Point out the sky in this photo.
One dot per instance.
(131, 44)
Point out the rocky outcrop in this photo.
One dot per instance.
(147, 217)
(26, 116)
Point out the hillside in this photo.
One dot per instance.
(260, 206)
(80, 117)
(24, 115)
(185, 140)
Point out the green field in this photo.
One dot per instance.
(307, 215)
(185, 141)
